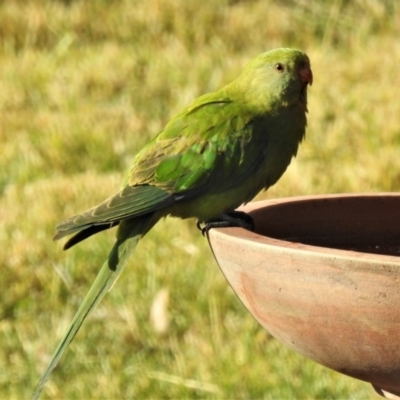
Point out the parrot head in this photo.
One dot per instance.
(277, 78)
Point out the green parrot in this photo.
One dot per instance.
(213, 156)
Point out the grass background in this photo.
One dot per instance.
(83, 86)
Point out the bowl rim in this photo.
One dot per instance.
(291, 247)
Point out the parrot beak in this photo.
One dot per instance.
(306, 75)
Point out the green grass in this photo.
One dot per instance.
(83, 86)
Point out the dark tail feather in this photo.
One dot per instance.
(85, 233)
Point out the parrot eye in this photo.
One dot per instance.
(279, 67)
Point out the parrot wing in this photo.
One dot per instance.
(195, 153)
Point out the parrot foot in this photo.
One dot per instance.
(233, 219)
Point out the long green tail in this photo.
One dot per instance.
(128, 235)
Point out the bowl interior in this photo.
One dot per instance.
(365, 223)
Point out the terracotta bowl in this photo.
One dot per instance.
(322, 275)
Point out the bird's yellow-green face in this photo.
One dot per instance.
(278, 76)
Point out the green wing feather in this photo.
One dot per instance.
(130, 202)
(200, 148)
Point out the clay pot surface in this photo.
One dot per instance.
(322, 275)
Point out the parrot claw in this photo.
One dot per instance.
(233, 219)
